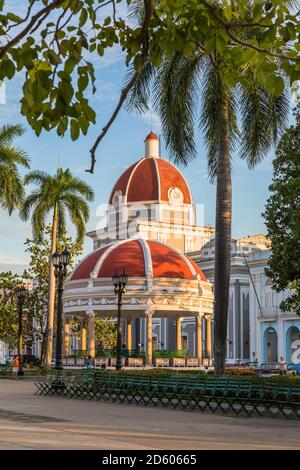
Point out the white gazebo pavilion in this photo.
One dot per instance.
(162, 282)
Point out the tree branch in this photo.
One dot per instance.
(32, 24)
(228, 26)
(149, 12)
(24, 20)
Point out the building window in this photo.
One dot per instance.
(188, 244)
(162, 238)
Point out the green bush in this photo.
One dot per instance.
(170, 353)
(6, 372)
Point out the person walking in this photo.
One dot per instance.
(89, 362)
(15, 367)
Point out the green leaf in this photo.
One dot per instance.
(83, 82)
(14, 18)
(83, 18)
(74, 129)
(228, 13)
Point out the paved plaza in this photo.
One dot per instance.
(33, 422)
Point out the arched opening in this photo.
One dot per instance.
(292, 335)
(270, 346)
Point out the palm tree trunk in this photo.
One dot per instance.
(51, 290)
(222, 248)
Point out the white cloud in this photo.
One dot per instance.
(151, 118)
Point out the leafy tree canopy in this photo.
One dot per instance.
(282, 216)
(35, 306)
(38, 269)
(58, 42)
(9, 282)
(106, 333)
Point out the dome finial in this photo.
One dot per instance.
(152, 145)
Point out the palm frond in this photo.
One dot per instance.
(11, 155)
(9, 132)
(73, 185)
(263, 119)
(279, 113)
(218, 115)
(30, 201)
(38, 219)
(136, 10)
(61, 228)
(76, 203)
(69, 193)
(77, 219)
(11, 189)
(36, 177)
(138, 97)
(175, 93)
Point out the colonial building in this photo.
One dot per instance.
(238, 333)
(151, 224)
(273, 333)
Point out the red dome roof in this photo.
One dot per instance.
(140, 258)
(150, 179)
(151, 136)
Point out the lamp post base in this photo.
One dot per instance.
(58, 364)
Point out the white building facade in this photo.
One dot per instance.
(239, 323)
(273, 333)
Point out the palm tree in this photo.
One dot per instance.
(11, 186)
(176, 87)
(61, 195)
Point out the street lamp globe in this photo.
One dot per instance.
(115, 280)
(65, 257)
(123, 279)
(21, 294)
(56, 258)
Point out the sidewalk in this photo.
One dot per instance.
(33, 422)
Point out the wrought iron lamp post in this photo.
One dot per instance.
(21, 295)
(119, 281)
(60, 262)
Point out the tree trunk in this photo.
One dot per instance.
(222, 249)
(51, 291)
(43, 350)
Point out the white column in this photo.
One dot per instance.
(128, 335)
(149, 314)
(83, 335)
(208, 347)
(178, 333)
(66, 338)
(91, 317)
(199, 338)
(281, 347)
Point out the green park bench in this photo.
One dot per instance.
(228, 394)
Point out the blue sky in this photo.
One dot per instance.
(122, 146)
